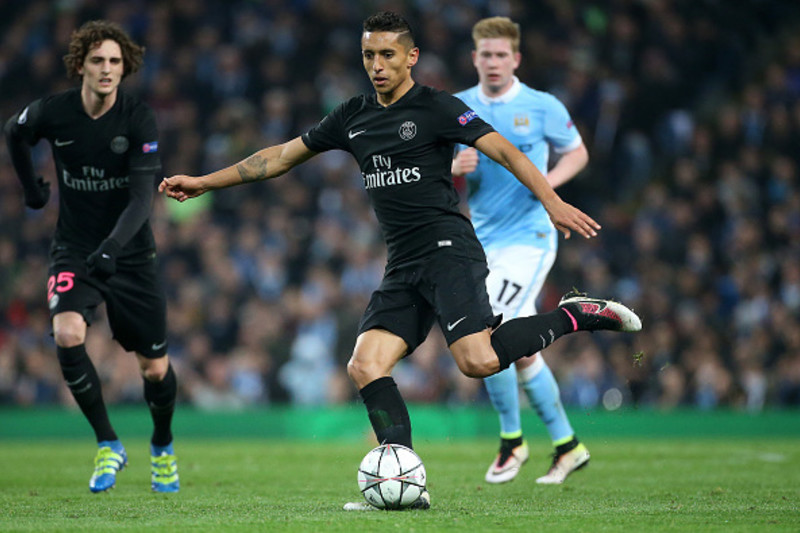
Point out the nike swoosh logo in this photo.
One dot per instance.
(105, 256)
(158, 346)
(353, 134)
(63, 143)
(450, 326)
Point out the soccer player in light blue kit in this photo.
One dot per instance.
(518, 236)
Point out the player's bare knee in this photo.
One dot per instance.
(68, 337)
(363, 370)
(69, 329)
(471, 370)
(154, 375)
(479, 366)
(355, 369)
(154, 370)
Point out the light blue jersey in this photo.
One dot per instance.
(504, 212)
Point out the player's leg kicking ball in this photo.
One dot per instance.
(595, 314)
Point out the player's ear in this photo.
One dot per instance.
(413, 57)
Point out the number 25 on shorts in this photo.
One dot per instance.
(64, 282)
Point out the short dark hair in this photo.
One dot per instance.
(91, 35)
(391, 22)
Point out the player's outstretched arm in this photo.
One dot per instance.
(265, 164)
(565, 217)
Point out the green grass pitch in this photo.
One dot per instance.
(632, 484)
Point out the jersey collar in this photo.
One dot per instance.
(504, 98)
(373, 97)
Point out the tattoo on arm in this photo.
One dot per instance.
(254, 168)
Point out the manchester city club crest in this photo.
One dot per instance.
(408, 130)
(522, 124)
(119, 144)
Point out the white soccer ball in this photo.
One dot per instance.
(391, 476)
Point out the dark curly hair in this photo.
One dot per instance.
(94, 32)
(391, 22)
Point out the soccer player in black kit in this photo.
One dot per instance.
(403, 137)
(105, 146)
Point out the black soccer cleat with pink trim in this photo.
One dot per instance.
(595, 314)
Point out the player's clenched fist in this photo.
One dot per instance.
(465, 162)
(181, 187)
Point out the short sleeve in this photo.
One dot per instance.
(144, 141)
(329, 133)
(559, 130)
(457, 123)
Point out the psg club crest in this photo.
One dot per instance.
(119, 144)
(408, 130)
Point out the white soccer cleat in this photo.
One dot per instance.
(564, 465)
(359, 506)
(507, 464)
(423, 503)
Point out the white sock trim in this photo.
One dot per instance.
(526, 374)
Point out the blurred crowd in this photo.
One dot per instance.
(691, 114)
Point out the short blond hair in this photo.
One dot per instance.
(497, 28)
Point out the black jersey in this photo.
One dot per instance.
(405, 152)
(95, 159)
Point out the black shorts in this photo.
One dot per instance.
(446, 287)
(135, 300)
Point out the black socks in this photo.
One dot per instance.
(510, 444)
(160, 398)
(84, 383)
(387, 412)
(521, 337)
(567, 446)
